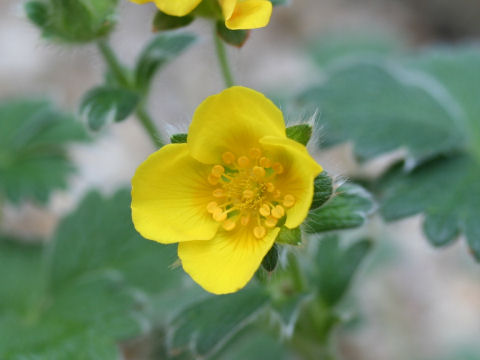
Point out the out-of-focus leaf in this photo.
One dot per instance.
(162, 49)
(232, 37)
(447, 190)
(33, 157)
(107, 104)
(178, 138)
(288, 309)
(300, 133)
(37, 12)
(206, 326)
(335, 266)
(280, 2)
(289, 236)
(381, 109)
(162, 21)
(347, 209)
(323, 190)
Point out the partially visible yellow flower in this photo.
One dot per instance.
(173, 7)
(246, 14)
(238, 14)
(223, 194)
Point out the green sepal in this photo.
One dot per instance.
(270, 260)
(289, 236)
(301, 133)
(232, 37)
(178, 138)
(323, 190)
(280, 2)
(162, 21)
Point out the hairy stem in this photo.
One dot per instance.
(223, 60)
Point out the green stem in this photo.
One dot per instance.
(223, 60)
(118, 72)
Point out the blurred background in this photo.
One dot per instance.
(413, 301)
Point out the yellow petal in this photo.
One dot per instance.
(228, 6)
(300, 170)
(177, 7)
(170, 193)
(226, 263)
(250, 14)
(141, 1)
(233, 120)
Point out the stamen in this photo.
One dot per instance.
(278, 168)
(289, 200)
(219, 215)
(259, 232)
(259, 172)
(228, 158)
(229, 224)
(243, 162)
(218, 170)
(270, 187)
(212, 205)
(248, 194)
(278, 212)
(255, 153)
(265, 162)
(218, 193)
(264, 210)
(244, 220)
(212, 179)
(276, 194)
(271, 222)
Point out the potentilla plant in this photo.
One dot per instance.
(263, 260)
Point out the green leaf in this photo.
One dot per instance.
(232, 37)
(288, 309)
(162, 21)
(206, 326)
(347, 209)
(280, 2)
(381, 109)
(105, 104)
(162, 49)
(335, 266)
(33, 156)
(269, 262)
(446, 190)
(289, 236)
(300, 133)
(37, 12)
(178, 138)
(323, 190)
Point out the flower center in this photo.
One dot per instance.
(245, 192)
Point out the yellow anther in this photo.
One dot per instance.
(265, 162)
(289, 200)
(271, 222)
(278, 168)
(219, 215)
(264, 210)
(228, 158)
(229, 224)
(218, 193)
(270, 187)
(254, 153)
(278, 212)
(244, 220)
(243, 162)
(218, 170)
(248, 194)
(258, 171)
(259, 232)
(212, 205)
(276, 194)
(213, 180)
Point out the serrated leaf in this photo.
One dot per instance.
(300, 133)
(289, 236)
(323, 190)
(381, 109)
(105, 104)
(162, 21)
(446, 190)
(347, 209)
(33, 156)
(232, 37)
(335, 266)
(206, 326)
(269, 262)
(162, 49)
(178, 138)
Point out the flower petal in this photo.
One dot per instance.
(226, 263)
(177, 7)
(250, 14)
(170, 193)
(233, 120)
(297, 180)
(228, 6)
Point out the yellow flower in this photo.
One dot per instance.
(238, 14)
(223, 193)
